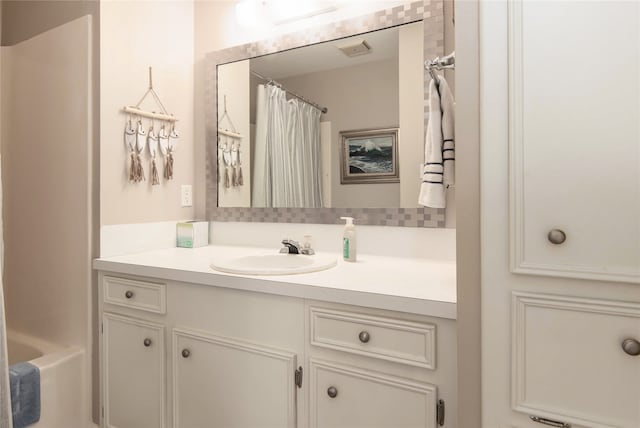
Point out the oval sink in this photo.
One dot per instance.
(274, 264)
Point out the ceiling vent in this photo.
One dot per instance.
(355, 48)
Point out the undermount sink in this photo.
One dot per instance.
(274, 264)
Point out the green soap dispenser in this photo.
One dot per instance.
(349, 240)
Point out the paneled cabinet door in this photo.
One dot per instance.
(347, 397)
(574, 139)
(576, 360)
(133, 369)
(222, 382)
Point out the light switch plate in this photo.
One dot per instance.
(186, 195)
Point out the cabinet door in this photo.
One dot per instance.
(346, 397)
(221, 382)
(569, 363)
(133, 373)
(575, 139)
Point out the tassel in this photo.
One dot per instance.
(234, 177)
(139, 170)
(168, 168)
(240, 179)
(226, 177)
(155, 180)
(132, 167)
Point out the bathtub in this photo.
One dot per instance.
(61, 379)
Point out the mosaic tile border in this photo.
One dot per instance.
(429, 11)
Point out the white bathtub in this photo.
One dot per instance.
(61, 385)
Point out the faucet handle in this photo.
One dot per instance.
(290, 247)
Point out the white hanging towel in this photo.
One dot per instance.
(439, 149)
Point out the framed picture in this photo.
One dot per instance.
(369, 156)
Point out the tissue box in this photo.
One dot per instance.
(192, 234)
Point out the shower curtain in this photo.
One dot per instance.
(287, 167)
(5, 393)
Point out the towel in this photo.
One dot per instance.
(439, 148)
(24, 382)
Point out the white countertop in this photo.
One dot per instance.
(419, 286)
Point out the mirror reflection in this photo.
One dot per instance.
(338, 124)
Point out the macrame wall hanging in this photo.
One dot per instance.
(137, 138)
(229, 151)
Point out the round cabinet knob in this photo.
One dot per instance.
(631, 347)
(147, 342)
(128, 294)
(332, 392)
(186, 353)
(364, 336)
(556, 236)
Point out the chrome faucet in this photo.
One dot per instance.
(294, 247)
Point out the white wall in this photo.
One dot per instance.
(47, 182)
(411, 102)
(135, 35)
(233, 83)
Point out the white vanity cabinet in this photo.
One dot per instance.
(185, 355)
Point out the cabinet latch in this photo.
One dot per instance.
(440, 412)
(298, 377)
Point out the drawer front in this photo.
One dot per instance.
(146, 296)
(384, 338)
(343, 396)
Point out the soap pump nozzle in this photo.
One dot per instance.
(349, 220)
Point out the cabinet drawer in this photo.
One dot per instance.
(343, 396)
(388, 339)
(146, 296)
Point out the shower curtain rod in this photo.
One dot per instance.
(267, 79)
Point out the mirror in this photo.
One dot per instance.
(326, 125)
(362, 156)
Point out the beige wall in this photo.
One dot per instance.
(25, 19)
(47, 182)
(134, 36)
(233, 83)
(360, 97)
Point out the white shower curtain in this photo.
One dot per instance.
(287, 167)
(5, 394)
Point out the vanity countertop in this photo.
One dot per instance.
(418, 286)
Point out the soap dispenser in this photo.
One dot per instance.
(349, 240)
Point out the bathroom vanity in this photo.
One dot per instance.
(369, 344)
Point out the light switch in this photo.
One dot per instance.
(186, 195)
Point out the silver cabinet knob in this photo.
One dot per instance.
(556, 236)
(631, 347)
(147, 342)
(186, 353)
(364, 336)
(128, 294)
(332, 392)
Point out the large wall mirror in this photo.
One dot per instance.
(311, 126)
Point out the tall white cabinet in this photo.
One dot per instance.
(560, 119)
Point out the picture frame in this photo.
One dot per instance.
(369, 156)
